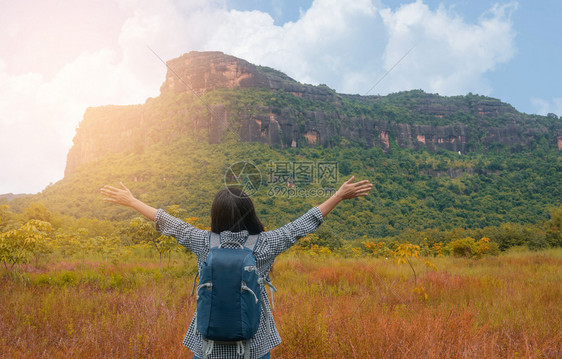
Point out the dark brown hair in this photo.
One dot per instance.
(233, 210)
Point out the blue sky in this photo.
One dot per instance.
(62, 56)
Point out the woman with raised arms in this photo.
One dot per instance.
(233, 217)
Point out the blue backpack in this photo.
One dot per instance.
(229, 295)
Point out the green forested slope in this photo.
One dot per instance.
(412, 189)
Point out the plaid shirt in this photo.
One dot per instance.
(270, 244)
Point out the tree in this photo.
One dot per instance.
(554, 228)
(12, 250)
(37, 210)
(7, 217)
(38, 235)
(108, 247)
(21, 245)
(404, 253)
(145, 233)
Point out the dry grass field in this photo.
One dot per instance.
(508, 306)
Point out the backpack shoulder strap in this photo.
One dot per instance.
(251, 241)
(214, 240)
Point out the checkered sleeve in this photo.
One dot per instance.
(283, 238)
(188, 236)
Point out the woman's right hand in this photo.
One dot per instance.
(349, 189)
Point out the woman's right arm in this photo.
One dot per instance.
(347, 190)
(282, 238)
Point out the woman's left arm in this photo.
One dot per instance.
(124, 197)
(186, 235)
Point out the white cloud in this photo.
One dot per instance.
(350, 45)
(451, 56)
(29, 142)
(38, 116)
(544, 107)
(346, 45)
(330, 43)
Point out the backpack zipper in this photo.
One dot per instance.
(208, 285)
(251, 269)
(245, 287)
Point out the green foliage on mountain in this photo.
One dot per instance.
(166, 159)
(412, 189)
(414, 107)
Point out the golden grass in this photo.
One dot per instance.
(327, 307)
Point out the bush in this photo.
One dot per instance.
(537, 241)
(465, 247)
(468, 247)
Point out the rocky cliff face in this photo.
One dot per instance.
(208, 71)
(104, 130)
(413, 119)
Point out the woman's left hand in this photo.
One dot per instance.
(122, 196)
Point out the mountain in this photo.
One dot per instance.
(263, 105)
(436, 162)
(7, 197)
